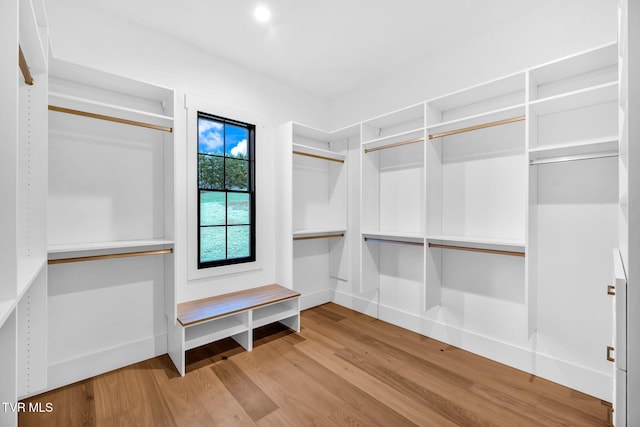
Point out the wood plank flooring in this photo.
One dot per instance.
(343, 368)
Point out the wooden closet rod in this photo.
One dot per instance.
(396, 144)
(24, 67)
(403, 242)
(324, 236)
(109, 118)
(315, 156)
(574, 158)
(110, 256)
(480, 126)
(465, 248)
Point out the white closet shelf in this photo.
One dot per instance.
(392, 140)
(115, 245)
(207, 332)
(403, 115)
(594, 146)
(6, 307)
(503, 86)
(28, 270)
(592, 60)
(478, 119)
(318, 153)
(270, 314)
(102, 108)
(600, 94)
(30, 40)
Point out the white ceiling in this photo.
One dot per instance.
(327, 47)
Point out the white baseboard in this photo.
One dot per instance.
(314, 299)
(568, 374)
(90, 365)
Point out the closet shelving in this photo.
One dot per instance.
(111, 208)
(476, 188)
(392, 199)
(573, 186)
(472, 132)
(92, 112)
(314, 209)
(23, 168)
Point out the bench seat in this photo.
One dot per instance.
(234, 315)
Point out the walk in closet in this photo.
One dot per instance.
(497, 217)
(313, 210)
(110, 221)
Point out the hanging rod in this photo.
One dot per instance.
(480, 126)
(315, 156)
(574, 158)
(110, 256)
(24, 67)
(465, 248)
(324, 236)
(396, 144)
(109, 118)
(404, 242)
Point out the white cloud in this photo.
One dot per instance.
(240, 148)
(210, 135)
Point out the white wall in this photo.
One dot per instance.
(81, 35)
(547, 33)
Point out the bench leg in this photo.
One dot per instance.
(175, 335)
(292, 322)
(245, 339)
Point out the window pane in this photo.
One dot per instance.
(213, 208)
(239, 241)
(238, 208)
(212, 244)
(211, 172)
(236, 141)
(237, 177)
(210, 136)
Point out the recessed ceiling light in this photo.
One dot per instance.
(262, 14)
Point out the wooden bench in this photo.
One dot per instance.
(233, 315)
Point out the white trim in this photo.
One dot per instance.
(193, 104)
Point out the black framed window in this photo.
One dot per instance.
(226, 191)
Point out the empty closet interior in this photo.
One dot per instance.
(485, 218)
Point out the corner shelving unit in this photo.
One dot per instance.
(314, 210)
(111, 208)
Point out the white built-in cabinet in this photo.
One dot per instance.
(313, 210)
(110, 221)
(23, 172)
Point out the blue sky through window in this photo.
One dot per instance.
(236, 141)
(217, 138)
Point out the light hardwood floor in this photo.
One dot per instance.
(343, 368)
